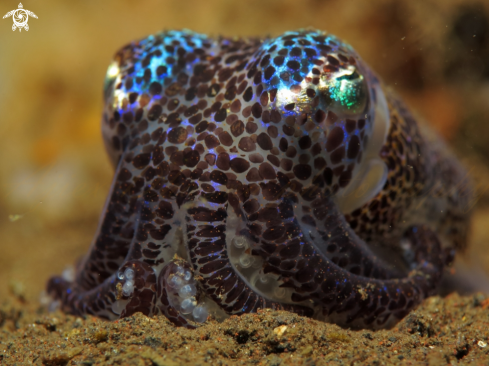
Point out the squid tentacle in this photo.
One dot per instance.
(206, 234)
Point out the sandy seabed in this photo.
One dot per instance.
(453, 330)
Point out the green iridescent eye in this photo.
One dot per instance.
(346, 93)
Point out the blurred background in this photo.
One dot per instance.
(54, 174)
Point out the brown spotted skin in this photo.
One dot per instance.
(418, 174)
(242, 162)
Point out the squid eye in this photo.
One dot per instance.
(112, 72)
(346, 93)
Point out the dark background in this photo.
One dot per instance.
(54, 175)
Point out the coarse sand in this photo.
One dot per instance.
(452, 330)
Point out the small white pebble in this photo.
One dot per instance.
(280, 330)
(482, 344)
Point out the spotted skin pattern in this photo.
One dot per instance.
(266, 173)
